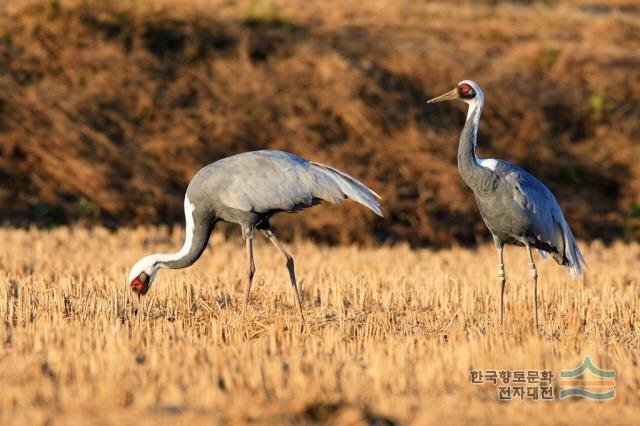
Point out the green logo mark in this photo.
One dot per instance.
(588, 381)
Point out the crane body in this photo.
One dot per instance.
(516, 207)
(248, 189)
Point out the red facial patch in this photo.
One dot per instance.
(138, 286)
(466, 91)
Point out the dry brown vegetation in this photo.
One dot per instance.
(108, 107)
(390, 335)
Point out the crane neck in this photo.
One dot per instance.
(475, 106)
(199, 226)
(475, 172)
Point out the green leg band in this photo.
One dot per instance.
(501, 275)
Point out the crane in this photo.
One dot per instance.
(517, 208)
(248, 189)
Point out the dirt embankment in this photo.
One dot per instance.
(107, 111)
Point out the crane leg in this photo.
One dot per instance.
(290, 266)
(252, 271)
(502, 280)
(534, 274)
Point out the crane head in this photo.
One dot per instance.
(142, 275)
(467, 91)
(140, 284)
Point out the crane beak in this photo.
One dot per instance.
(446, 97)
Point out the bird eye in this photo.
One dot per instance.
(466, 91)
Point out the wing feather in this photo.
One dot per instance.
(279, 181)
(549, 225)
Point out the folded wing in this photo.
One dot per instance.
(279, 181)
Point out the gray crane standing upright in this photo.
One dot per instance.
(248, 189)
(517, 208)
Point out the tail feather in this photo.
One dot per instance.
(350, 187)
(574, 260)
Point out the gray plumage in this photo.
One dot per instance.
(517, 208)
(248, 189)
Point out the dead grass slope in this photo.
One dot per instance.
(107, 110)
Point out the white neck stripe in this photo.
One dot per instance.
(188, 213)
(150, 264)
(475, 105)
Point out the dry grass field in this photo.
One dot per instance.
(390, 336)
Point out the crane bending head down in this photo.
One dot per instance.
(248, 189)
